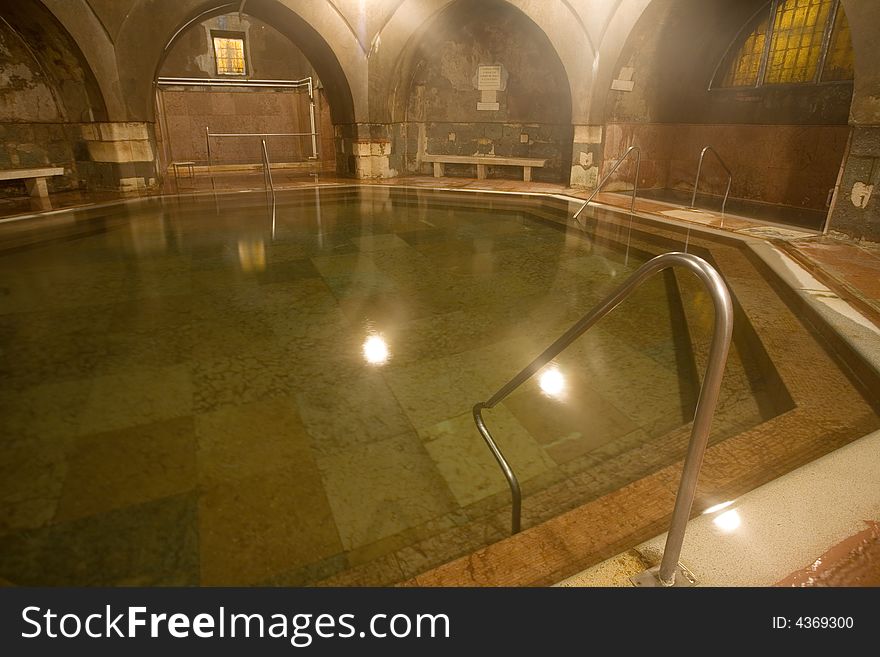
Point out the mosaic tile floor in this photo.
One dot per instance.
(188, 394)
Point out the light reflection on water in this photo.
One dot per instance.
(376, 350)
(456, 299)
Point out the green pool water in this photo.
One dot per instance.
(199, 391)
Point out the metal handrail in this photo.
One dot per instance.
(699, 170)
(267, 180)
(267, 170)
(305, 82)
(632, 205)
(313, 135)
(705, 409)
(234, 82)
(261, 134)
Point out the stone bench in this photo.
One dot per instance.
(482, 161)
(34, 179)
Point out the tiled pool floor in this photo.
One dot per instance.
(186, 398)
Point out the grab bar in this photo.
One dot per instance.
(261, 134)
(267, 180)
(699, 170)
(703, 414)
(632, 205)
(267, 170)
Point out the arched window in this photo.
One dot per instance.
(790, 42)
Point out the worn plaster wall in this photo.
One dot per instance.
(533, 115)
(185, 111)
(270, 55)
(783, 143)
(45, 96)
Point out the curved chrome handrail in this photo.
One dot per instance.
(632, 205)
(708, 399)
(699, 170)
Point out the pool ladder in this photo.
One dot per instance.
(670, 572)
(700, 170)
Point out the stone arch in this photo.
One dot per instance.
(58, 60)
(96, 47)
(435, 96)
(558, 21)
(50, 94)
(314, 27)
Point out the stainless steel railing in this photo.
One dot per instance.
(263, 135)
(267, 180)
(267, 169)
(705, 410)
(699, 171)
(632, 205)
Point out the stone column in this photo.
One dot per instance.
(367, 150)
(118, 156)
(856, 210)
(587, 155)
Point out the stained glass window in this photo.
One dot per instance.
(796, 40)
(787, 43)
(839, 60)
(744, 69)
(229, 54)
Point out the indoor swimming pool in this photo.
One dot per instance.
(209, 390)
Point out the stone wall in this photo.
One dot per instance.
(120, 156)
(270, 55)
(529, 117)
(794, 165)
(45, 94)
(185, 111)
(856, 209)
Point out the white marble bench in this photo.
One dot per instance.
(482, 161)
(34, 179)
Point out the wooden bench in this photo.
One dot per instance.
(34, 179)
(482, 161)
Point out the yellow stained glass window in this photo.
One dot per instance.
(839, 60)
(796, 40)
(790, 39)
(229, 53)
(744, 67)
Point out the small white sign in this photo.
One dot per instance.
(489, 106)
(861, 194)
(622, 85)
(489, 77)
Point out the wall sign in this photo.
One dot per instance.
(489, 80)
(489, 77)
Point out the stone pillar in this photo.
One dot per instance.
(118, 156)
(587, 155)
(856, 210)
(366, 150)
